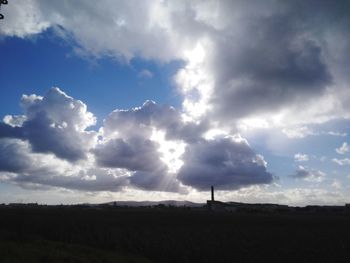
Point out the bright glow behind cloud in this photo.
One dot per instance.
(171, 151)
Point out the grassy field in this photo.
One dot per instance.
(55, 234)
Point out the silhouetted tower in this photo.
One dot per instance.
(212, 193)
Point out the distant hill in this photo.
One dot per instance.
(154, 203)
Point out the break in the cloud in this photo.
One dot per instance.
(307, 174)
(344, 148)
(49, 146)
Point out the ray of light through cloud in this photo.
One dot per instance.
(162, 99)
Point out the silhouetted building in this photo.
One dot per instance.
(217, 205)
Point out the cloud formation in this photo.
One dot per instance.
(13, 156)
(19, 165)
(282, 62)
(341, 162)
(49, 146)
(129, 143)
(263, 71)
(143, 120)
(299, 157)
(226, 163)
(55, 123)
(279, 63)
(306, 174)
(344, 148)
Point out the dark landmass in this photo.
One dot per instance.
(154, 203)
(165, 233)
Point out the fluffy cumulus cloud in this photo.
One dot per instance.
(144, 120)
(141, 156)
(130, 142)
(48, 146)
(52, 133)
(55, 123)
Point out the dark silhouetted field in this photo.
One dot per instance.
(70, 234)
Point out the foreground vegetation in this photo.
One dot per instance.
(71, 234)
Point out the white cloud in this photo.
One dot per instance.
(299, 157)
(298, 196)
(149, 147)
(307, 174)
(339, 134)
(341, 162)
(344, 148)
(297, 132)
(145, 74)
(23, 18)
(336, 184)
(55, 123)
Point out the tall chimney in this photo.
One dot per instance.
(212, 193)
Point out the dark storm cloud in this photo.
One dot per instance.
(224, 163)
(8, 131)
(273, 60)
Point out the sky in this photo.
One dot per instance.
(159, 100)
